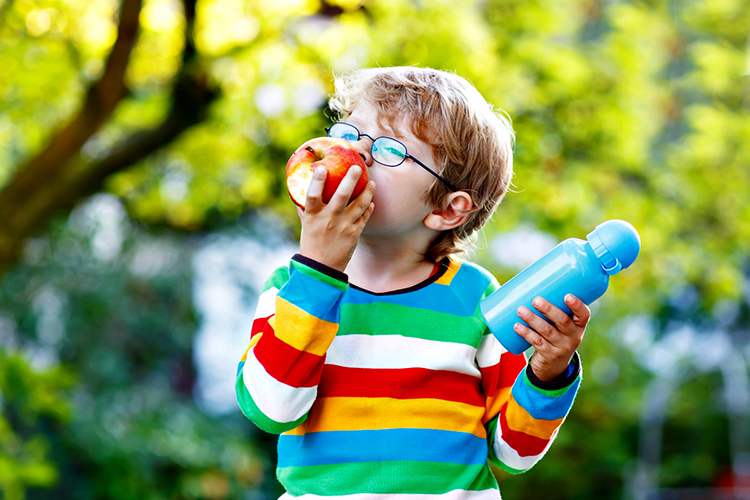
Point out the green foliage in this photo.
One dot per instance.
(633, 110)
(106, 307)
(32, 401)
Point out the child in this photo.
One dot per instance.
(368, 352)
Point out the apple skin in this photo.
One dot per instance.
(336, 155)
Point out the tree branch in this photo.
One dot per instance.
(25, 199)
(57, 178)
(4, 8)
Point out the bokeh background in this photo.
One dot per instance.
(142, 205)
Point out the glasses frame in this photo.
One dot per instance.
(406, 152)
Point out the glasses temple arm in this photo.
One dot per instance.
(451, 186)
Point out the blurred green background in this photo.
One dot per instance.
(142, 204)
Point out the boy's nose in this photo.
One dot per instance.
(363, 148)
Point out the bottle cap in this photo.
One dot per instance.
(616, 243)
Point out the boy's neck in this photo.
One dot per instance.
(383, 266)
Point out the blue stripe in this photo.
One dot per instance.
(541, 406)
(315, 297)
(239, 368)
(425, 445)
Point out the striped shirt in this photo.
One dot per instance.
(402, 393)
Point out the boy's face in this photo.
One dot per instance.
(400, 193)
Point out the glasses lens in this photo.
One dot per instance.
(388, 151)
(344, 131)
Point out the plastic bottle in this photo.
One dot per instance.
(574, 266)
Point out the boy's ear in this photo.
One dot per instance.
(456, 210)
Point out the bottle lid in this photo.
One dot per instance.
(616, 243)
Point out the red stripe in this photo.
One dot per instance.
(512, 365)
(259, 324)
(490, 379)
(503, 374)
(286, 363)
(524, 444)
(400, 383)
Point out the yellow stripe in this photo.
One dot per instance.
(300, 430)
(244, 356)
(301, 330)
(355, 414)
(520, 420)
(494, 404)
(255, 340)
(453, 267)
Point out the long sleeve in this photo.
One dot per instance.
(394, 393)
(296, 320)
(523, 414)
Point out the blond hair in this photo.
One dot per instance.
(472, 144)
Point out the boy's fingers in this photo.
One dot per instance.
(536, 322)
(563, 322)
(530, 335)
(366, 215)
(314, 198)
(581, 312)
(364, 200)
(343, 193)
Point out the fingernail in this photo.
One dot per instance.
(537, 302)
(569, 299)
(320, 170)
(522, 310)
(517, 327)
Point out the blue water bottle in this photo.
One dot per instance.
(578, 267)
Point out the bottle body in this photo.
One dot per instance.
(571, 267)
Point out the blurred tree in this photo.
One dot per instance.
(633, 110)
(97, 373)
(33, 401)
(58, 176)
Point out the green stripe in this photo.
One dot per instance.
(276, 279)
(510, 470)
(386, 319)
(309, 271)
(491, 430)
(549, 393)
(492, 287)
(432, 478)
(251, 411)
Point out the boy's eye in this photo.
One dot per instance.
(391, 151)
(387, 152)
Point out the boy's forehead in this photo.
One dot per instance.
(365, 117)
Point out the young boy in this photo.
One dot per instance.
(368, 352)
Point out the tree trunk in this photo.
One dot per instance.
(58, 177)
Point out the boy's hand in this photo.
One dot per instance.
(554, 344)
(330, 232)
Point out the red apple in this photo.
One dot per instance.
(336, 155)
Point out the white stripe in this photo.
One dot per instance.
(491, 494)
(266, 303)
(490, 351)
(397, 351)
(511, 458)
(278, 401)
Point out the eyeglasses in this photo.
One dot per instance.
(384, 150)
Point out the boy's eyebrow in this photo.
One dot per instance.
(391, 130)
(386, 128)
